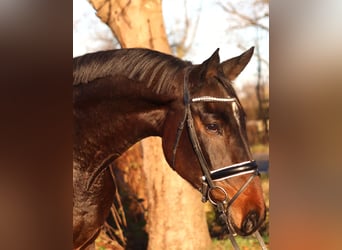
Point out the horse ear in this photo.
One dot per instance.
(211, 65)
(233, 67)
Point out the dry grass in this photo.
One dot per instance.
(103, 242)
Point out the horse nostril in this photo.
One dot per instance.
(250, 223)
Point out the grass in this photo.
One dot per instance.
(260, 148)
(250, 243)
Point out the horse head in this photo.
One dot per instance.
(205, 141)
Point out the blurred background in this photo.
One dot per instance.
(191, 30)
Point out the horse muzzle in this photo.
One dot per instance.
(250, 223)
(241, 214)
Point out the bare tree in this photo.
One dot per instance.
(253, 14)
(182, 35)
(249, 13)
(98, 35)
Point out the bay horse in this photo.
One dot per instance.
(122, 96)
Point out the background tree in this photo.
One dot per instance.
(176, 218)
(182, 35)
(246, 15)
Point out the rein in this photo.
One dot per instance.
(210, 177)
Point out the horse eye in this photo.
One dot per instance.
(212, 127)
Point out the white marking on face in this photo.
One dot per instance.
(236, 112)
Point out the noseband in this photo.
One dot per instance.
(211, 176)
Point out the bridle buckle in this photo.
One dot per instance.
(204, 190)
(212, 199)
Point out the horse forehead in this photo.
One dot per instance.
(215, 89)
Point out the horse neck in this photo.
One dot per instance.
(113, 113)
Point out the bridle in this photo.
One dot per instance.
(211, 176)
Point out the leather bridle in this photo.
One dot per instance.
(211, 176)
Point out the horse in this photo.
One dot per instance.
(122, 96)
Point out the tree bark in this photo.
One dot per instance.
(176, 217)
(135, 23)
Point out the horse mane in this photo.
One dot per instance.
(155, 68)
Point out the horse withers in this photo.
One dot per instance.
(122, 96)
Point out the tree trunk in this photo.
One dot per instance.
(176, 218)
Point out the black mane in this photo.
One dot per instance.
(154, 68)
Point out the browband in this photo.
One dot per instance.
(212, 99)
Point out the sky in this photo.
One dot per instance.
(212, 32)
